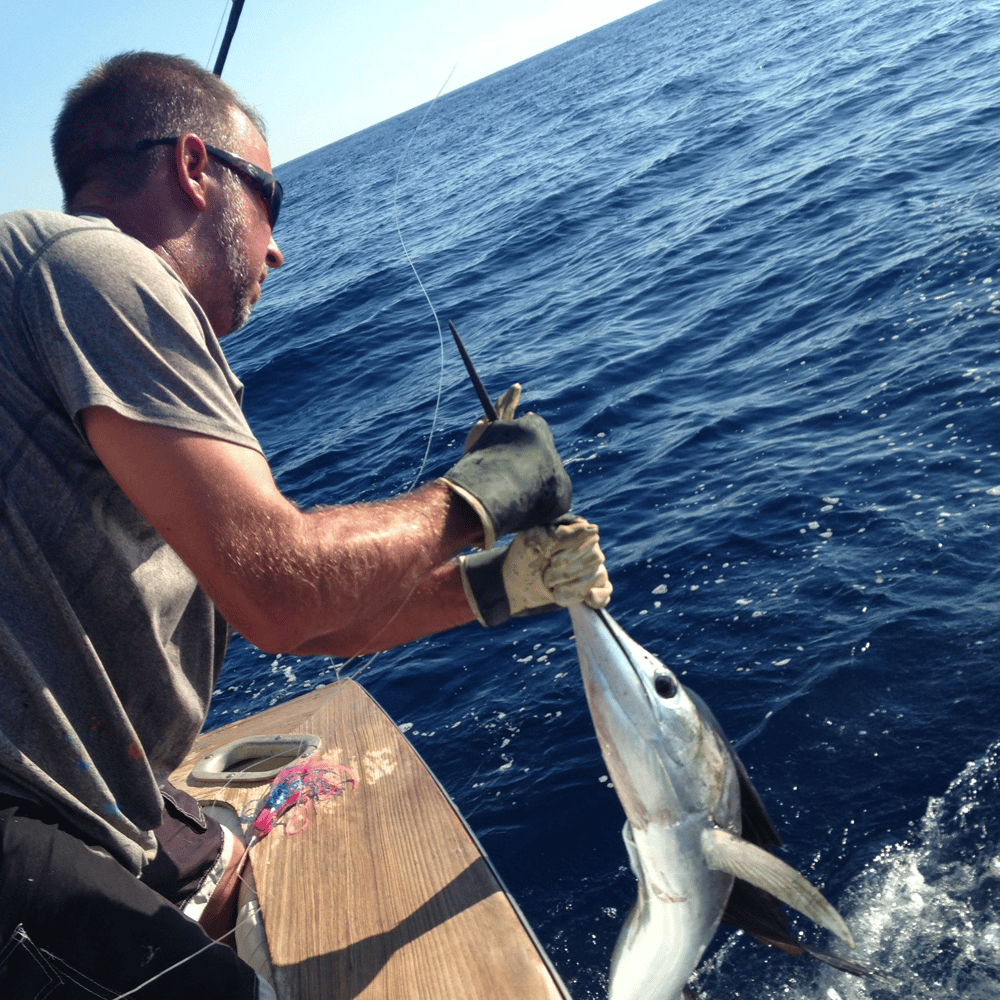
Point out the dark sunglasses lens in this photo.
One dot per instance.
(273, 194)
(267, 184)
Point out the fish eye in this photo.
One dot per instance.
(665, 686)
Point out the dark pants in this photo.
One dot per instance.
(76, 925)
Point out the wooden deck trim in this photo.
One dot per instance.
(386, 893)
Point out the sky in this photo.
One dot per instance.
(317, 70)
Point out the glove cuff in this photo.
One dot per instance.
(489, 534)
(482, 578)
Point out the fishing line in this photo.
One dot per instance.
(218, 30)
(413, 268)
(441, 360)
(240, 921)
(177, 964)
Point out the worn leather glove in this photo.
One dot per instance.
(546, 567)
(511, 474)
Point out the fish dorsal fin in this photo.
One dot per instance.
(744, 860)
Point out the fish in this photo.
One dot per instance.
(697, 834)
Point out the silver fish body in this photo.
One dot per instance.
(675, 917)
(684, 793)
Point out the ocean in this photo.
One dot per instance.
(745, 259)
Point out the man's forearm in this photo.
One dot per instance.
(353, 578)
(339, 580)
(436, 602)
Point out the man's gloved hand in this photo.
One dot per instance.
(506, 406)
(511, 474)
(546, 567)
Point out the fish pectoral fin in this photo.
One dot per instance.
(633, 853)
(647, 880)
(738, 857)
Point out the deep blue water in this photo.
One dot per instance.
(744, 258)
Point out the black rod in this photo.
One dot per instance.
(234, 18)
(484, 396)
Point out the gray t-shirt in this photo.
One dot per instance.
(109, 649)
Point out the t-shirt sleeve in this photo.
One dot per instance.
(112, 325)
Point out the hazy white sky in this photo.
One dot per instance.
(316, 69)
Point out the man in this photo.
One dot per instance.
(139, 520)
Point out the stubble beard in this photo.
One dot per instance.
(232, 238)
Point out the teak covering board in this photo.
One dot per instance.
(385, 894)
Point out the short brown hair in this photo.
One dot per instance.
(133, 96)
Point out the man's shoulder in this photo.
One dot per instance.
(90, 247)
(41, 225)
(27, 236)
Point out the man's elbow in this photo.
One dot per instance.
(280, 635)
(270, 627)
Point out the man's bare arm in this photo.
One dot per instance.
(336, 581)
(440, 590)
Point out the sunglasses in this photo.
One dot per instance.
(266, 185)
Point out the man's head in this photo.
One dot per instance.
(136, 96)
(174, 157)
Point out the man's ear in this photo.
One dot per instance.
(191, 163)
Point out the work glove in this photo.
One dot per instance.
(511, 474)
(546, 567)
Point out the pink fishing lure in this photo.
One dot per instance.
(295, 790)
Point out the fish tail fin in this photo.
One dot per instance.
(843, 964)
